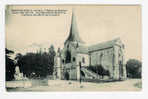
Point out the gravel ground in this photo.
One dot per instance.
(61, 85)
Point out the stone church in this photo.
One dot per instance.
(73, 60)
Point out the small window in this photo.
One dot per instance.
(83, 60)
(74, 59)
(100, 55)
(119, 54)
(63, 61)
(67, 46)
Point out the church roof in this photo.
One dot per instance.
(82, 49)
(74, 37)
(104, 45)
(74, 34)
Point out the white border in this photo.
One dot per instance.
(74, 95)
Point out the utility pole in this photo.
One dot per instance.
(80, 71)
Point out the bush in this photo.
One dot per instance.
(99, 70)
(36, 65)
(134, 68)
(10, 66)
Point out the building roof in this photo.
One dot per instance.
(82, 49)
(104, 45)
(74, 34)
(74, 37)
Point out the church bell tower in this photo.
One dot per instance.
(73, 38)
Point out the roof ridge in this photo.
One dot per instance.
(103, 45)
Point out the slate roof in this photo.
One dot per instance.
(74, 37)
(82, 49)
(74, 34)
(103, 45)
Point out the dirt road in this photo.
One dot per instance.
(60, 85)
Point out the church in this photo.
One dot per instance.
(74, 60)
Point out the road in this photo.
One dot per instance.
(61, 85)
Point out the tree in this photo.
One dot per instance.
(18, 56)
(10, 66)
(33, 64)
(38, 64)
(99, 69)
(134, 68)
(52, 54)
(9, 51)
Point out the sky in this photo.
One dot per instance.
(96, 24)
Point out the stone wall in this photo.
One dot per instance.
(73, 73)
(83, 58)
(103, 57)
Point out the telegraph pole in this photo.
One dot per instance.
(80, 71)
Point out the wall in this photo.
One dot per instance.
(79, 58)
(73, 73)
(103, 57)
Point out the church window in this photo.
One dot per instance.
(83, 60)
(63, 61)
(101, 55)
(67, 46)
(74, 59)
(77, 45)
(68, 56)
(108, 51)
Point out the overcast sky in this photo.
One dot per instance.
(95, 24)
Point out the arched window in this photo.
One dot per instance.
(119, 54)
(74, 59)
(101, 55)
(68, 56)
(63, 61)
(67, 46)
(83, 60)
